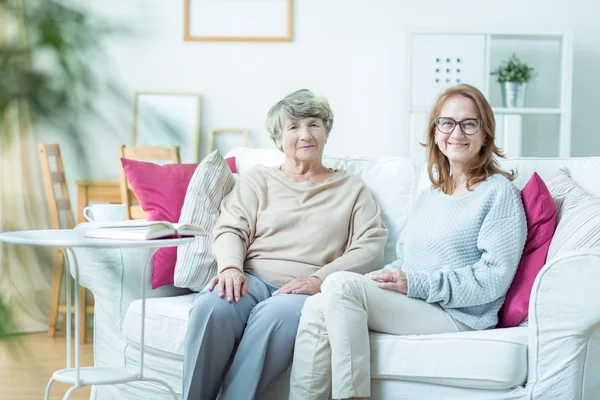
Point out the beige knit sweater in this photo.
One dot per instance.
(284, 230)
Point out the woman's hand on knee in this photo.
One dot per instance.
(308, 286)
(232, 284)
(393, 279)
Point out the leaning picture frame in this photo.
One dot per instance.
(168, 119)
(234, 137)
(238, 21)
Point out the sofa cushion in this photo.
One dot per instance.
(581, 170)
(160, 190)
(246, 158)
(541, 222)
(231, 164)
(166, 323)
(577, 215)
(491, 359)
(392, 183)
(211, 182)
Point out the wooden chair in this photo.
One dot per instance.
(61, 217)
(142, 153)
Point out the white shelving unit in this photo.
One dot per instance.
(533, 110)
(439, 58)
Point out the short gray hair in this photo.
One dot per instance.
(300, 104)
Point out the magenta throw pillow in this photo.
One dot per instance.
(231, 164)
(160, 190)
(541, 223)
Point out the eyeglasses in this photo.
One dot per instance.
(469, 126)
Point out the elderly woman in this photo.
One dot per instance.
(281, 232)
(459, 253)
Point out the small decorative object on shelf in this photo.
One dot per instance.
(513, 75)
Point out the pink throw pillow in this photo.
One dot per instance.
(231, 163)
(541, 223)
(160, 190)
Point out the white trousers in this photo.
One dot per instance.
(332, 354)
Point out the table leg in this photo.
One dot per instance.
(67, 395)
(165, 384)
(48, 387)
(147, 267)
(68, 313)
(82, 310)
(66, 375)
(71, 259)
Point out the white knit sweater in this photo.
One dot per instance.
(462, 251)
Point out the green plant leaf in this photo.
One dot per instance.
(513, 70)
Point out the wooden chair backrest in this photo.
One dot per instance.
(142, 153)
(53, 174)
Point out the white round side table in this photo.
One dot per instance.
(68, 239)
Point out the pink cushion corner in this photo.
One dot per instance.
(541, 223)
(231, 163)
(160, 190)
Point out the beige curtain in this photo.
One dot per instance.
(25, 271)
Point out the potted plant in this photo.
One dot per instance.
(52, 63)
(65, 37)
(513, 75)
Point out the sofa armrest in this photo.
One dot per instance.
(564, 322)
(114, 276)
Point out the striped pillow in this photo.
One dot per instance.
(577, 215)
(211, 181)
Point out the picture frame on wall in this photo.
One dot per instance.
(225, 139)
(238, 21)
(167, 119)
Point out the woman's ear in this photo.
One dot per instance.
(278, 144)
(435, 138)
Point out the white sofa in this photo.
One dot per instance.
(557, 356)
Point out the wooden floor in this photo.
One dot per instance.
(26, 367)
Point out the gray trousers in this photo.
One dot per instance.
(262, 326)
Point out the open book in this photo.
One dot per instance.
(142, 230)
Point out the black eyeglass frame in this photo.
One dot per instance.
(459, 123)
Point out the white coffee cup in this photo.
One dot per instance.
(105, 212)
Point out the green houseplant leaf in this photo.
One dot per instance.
(8, 338)
(514, 70)
(46, 63)
(54, 64)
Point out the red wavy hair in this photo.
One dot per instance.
(438, 166)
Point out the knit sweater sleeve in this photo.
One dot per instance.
(367, 238)
(236, 225)
(501, 241)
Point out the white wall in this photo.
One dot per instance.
(352, 51)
